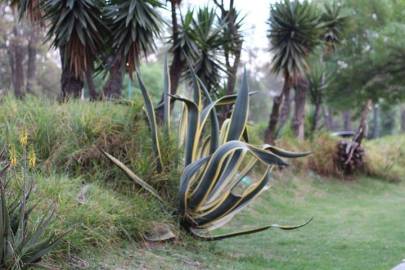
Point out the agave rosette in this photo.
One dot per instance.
(223, 172)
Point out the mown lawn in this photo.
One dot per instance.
(357, 225)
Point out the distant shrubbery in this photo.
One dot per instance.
(384, 158)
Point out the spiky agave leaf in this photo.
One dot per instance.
(23, 245)
(207, 195)
(150, 114)
(213, 186)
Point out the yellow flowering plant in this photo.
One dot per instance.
(23, 241)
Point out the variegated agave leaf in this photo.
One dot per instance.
(223, 172)
(210, 193)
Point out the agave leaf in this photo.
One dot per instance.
(285, 154)
(240, 112)
(214, 140)
(4, 220)
(224, 131)
(152, 123)
(41, 249)
(186, 181)
(196, 89)
(225, 185)
(133, 176)
(215, 166)
(231, 203)
(193, 131)
(201, 234)
(166, 97)
(229, 172)
(39, 232)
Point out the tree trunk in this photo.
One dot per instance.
(403, 120)
(285, 108)
(178, 64)
(328, 118)
(71, 85)
(112, 88)
(90, 85)
(16, 58)
(347, 121)
(270, 133)
(363, 126)
(32, 58)
(299, 111)
(315, 120)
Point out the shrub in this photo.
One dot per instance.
(385, 158)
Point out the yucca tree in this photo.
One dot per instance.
(86, 30)
(197, 44)
(135, 25)
(319, 78)
(334, 23)
(207, 32)
(77, 30)
(294, 32)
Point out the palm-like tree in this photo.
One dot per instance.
(134, 25)
(204, 39)
(334, 22)
(77, 30)
(86, 30)
(294, 32)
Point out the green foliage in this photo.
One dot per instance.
(334, 24)
(23, 243)
(134, 26)
(201, 42)
(223, 173)
(76, 27)
(368, 64)
(385, 158)
(294, 31)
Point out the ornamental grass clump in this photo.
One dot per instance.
(222, 171)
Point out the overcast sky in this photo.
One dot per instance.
(256, 12)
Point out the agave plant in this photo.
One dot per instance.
(22, 244)
(222, 172)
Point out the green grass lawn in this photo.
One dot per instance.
(357, 225)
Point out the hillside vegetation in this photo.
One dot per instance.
(104, 209)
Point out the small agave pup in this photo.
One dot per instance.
(222, 172)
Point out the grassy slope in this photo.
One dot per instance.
(357, 225)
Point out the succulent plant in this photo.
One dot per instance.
(23, 243)
(222, 171)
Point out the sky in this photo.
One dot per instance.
(256, 12)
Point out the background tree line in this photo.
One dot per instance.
(330, 60)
